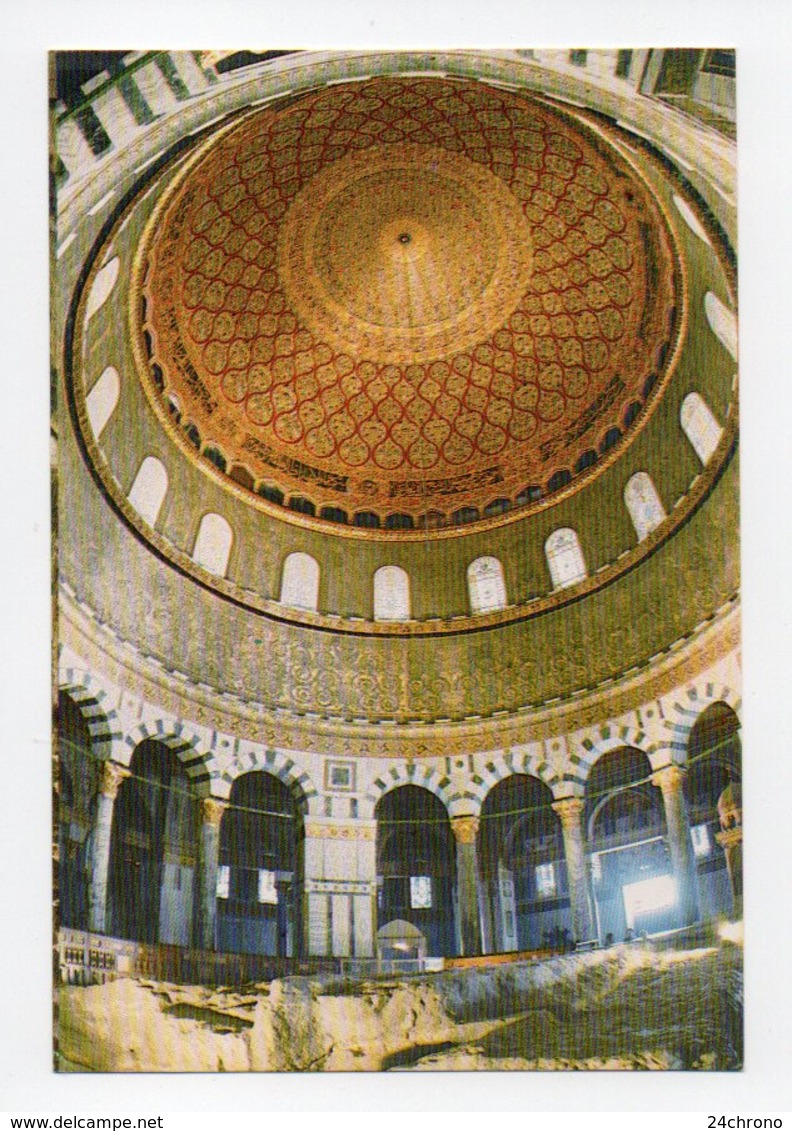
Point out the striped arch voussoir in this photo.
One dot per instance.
(503, 766)
(274, 762)
(427, 777)
(602, 741)
(89, 698)
(688, 708)
(198, 763)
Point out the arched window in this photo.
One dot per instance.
(700, 426)
(102, 287)
(391, 594)
(564, 558)
(213, 544)
(486, 585)
(102, 400)
(643, 503)
(149, 489)
(300, 583)
(691, 219)
(722, 321)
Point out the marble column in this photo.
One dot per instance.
(570, 812)
(112, 775)
(212, 809)
(670, 781)
(469, 926)
(316, 919)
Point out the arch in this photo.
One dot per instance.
(300, 582)
(77, 784)
(522, 868)
(391, 594)
(148, 491)
(486, 585)
(634, 880)
(89, 698)
(531, 762)
(715, 737)
(213, 544)
(617, 770)
(565, 558)
(199, 764)
(401, 944)
(714, 772)
(102, 400)
(102, 287)
(605, 739)
(154, 849)
(684, 711)
(723, 322)
(259, 886)
(273, 762)
(416, 865)
(700, 426)
(643, 504)
(412, 774)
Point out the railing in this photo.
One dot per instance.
(85, 958)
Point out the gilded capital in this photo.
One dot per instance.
(111, 776)
(728, 838)
(570, 811)
(212, 809)
(465, 829)
(669, 779)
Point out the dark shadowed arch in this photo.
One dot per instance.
(416, 865)
(153, 849)
(522, 868)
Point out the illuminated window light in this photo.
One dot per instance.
(699, 835)
(647, 896)
(267, 892)
(545, 881)
(223, 881)
(420, 892)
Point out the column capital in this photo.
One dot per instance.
(111, 777)
(669, 779)
(212, 809)
(465, 829)
(569, 810)
(727, 838)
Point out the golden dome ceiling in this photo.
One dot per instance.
(408, 297)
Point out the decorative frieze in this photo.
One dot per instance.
(340, 832)
(341, 887)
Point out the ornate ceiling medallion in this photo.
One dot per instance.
(407, 305)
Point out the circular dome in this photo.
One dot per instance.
(409, 297)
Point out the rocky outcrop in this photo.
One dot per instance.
(629, 1007)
